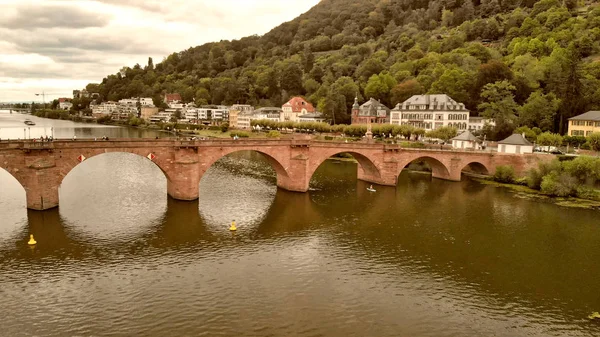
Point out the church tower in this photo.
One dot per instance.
(355, 110)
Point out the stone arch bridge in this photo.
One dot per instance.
(40, 167)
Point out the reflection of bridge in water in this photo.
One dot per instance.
(40, 167)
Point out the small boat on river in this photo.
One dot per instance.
(371, 189)
(29, 122)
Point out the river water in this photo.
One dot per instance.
(12, 126)
(427, 258)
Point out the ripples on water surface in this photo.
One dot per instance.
(430, 258)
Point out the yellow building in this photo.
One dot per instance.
(585, 125)
(147, 112)
(233, 118)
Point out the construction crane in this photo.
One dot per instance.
(43, 94)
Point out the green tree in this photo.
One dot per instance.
(549, 139)
(539, 110)
(291, 78)
(444, 133)
(529, 133)
(380, 86)
(347, 88)
(202, 97)
(594, 141)
(150, 65)
(499, 104)
(455, 83)
(406, 90)
(529, 69)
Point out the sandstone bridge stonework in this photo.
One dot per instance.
(41, 167)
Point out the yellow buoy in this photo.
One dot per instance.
(232, 227)
(594, 315)
(31, 240)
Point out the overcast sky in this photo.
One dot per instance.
(56, 46)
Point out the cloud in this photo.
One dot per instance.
(61, 43)
(31, 17)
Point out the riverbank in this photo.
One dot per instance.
(525, 192)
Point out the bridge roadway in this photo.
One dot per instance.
(40, 167)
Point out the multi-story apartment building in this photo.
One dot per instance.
(431, 112)
(272, 114)
(235, 110)
(105, 108)
(585, 124)
(144, 101)
(242, 108)
(162, 116)
(244, 120)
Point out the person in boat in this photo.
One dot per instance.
(371, 187)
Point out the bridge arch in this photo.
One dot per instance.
(6, 174)
(367, 166)
(477, 167)
(438, 168)
(7, 179)
(71, 164)
(275, 158)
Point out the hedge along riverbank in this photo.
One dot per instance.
(578, 178)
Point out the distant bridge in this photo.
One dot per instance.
(20, 110)
(40, 167)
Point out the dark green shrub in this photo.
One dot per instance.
(559, 184)
(504, 174)
(273, 134)
(535, 176)
(240, 134)
(104, 119)
(224, 127)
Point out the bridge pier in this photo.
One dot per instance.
(41, 189)
(386, 176)
(295, 177)
(183, 181)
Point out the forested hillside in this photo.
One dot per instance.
(522, 62)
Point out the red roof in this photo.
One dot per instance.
(299, 103)
(62, 99)
(172, 97)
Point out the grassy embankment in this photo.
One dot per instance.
(568, 181)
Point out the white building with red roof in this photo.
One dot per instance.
(172, 98)
(294, 108)
(64, 103)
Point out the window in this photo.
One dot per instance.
(588, 133)
(598, 124)
(590, 123)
